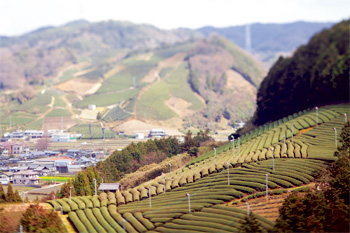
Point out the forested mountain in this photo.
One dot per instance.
(317, 74)
(270, 40)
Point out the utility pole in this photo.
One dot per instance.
(189, 202)
(215, 158)
(95, 187)
(170, 170)
(239, 150)
(267, 187)
(180, 162)
(247, 208)
(163, 181)
(70, 195)
(292, 132)
(273, 158)
(228, 173)
(233, 147)
(316, 116)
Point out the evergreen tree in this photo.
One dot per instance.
(250, 224)
(317, 74)
(344, 148)
(10, 196)
(2, 194)
(17, 197)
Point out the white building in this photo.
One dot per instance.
(26, 177)
(92, 107)
(4, 179)
(63, 137)
(157, 133)
(139, 136)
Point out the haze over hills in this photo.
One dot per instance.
(268, 41)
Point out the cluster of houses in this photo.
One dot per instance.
(53, 135)
(27, 168)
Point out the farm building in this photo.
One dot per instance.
(111, 187)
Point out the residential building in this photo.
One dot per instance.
(26, 178)
(83, 161)
(13, 148)
(4, 179)
(158, 133)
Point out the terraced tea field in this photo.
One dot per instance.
(201, 196)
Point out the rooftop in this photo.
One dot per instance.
(109, 186)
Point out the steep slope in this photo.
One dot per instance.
(199, 197)
(270, 40)
(317, 74)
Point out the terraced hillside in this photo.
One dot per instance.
(199, 197)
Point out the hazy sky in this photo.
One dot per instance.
(20, 16)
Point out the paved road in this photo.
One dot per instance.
(47, 189)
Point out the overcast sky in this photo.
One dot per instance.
(21, 16)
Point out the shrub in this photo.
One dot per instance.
(36, 219)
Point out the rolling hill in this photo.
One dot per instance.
(134, 72)
(205, 195)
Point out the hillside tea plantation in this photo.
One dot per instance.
(212, 184)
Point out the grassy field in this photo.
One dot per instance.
(68, 74)
(58, 112)
(35, 125)
(59, 102)
(101, 100)
(53, 179)
(179, 87)
(124, 79)
(151, 105)
(96, 131)
(175, 84)
(35, 105)
(16, 120)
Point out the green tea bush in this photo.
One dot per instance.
(93, 221)
(85, 221)
(76, 221)
(101, 220)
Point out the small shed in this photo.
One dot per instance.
(112, 187)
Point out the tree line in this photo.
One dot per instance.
(131, 158)
(10, 195)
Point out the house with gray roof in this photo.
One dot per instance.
(111, 187)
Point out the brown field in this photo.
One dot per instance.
(64, 123)
(179, 106)
(136, 126)
(81, 86)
